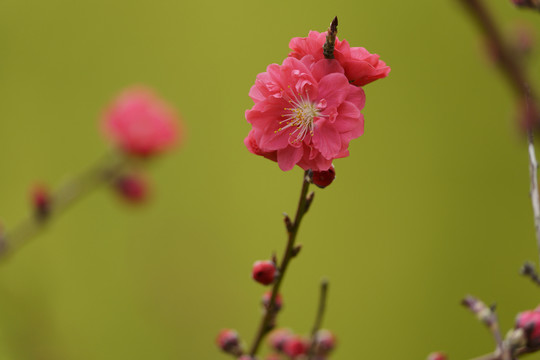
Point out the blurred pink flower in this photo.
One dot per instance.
(140, 123)
(360, 66)
(305, 113)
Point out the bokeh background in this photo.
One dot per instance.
(431, 205)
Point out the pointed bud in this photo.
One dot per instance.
(324, 178)
(264, 272)
(296, 250)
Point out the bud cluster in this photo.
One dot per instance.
(285, 344)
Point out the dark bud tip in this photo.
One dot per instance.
(296, 250)
(334, 24)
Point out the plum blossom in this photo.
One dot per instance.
(361, 67)
(306, 112)
(140, 123)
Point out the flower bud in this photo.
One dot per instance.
(132, 187)
(437, 356)
(295, 346)
(278, 337)
(324, 178)
(325, 342)
(41, 201)
(278, 303)
(529, 321)
(228, 341)
(264, 272)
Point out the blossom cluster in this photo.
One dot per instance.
(308, 109)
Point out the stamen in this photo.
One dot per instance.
(300, 116)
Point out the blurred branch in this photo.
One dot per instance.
(266, 323)
(531, 4)
(318, 318)
(487, 315)
(505, 58)
(105, 170)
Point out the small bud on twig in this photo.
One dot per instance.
(296, 250)
(288, 222)
(309, 200)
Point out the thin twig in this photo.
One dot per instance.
(318, 318)
(292, 230)
(506, 60)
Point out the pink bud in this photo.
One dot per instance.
(278, 303)
(132, 187)
(295, 346)
(140, 123)
(228, 341)
(278, 337)
(264, 272)
(530, 322)
(324, 178)
(273, 357)
(41, 201)
(437, 356)
(325, 342)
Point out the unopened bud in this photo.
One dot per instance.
(324, 178)
(278, 337)
(278, 302)
(132, 187)
(264, 272)
(529, 321)
(437, 356)
(41, 201)
(295, 346)
(228, 341)
(325, 342)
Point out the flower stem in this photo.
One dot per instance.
(105, 170)
(292, 230)
(318, 318)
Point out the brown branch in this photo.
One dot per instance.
(267, 320)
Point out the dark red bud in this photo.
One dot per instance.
(324, 178)
(264, 272)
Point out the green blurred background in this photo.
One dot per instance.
(431, 205)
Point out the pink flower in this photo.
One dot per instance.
(305, 113)
(360, 66)
(140, 123)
